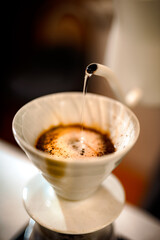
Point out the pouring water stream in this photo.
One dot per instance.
(131, 99)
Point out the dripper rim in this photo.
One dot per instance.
(96, 160)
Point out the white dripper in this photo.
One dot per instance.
(131, 99)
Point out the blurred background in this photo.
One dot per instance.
(47, 45)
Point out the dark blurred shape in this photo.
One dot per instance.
(152, 200)
(47, 45)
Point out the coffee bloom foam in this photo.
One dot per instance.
(72, 142)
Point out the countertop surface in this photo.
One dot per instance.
(16, 170)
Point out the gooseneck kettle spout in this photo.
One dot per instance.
(131, 99)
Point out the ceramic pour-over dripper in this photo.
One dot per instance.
(75, 179)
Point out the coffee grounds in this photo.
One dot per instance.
(71, 142)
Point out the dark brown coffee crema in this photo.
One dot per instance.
(71, 142)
